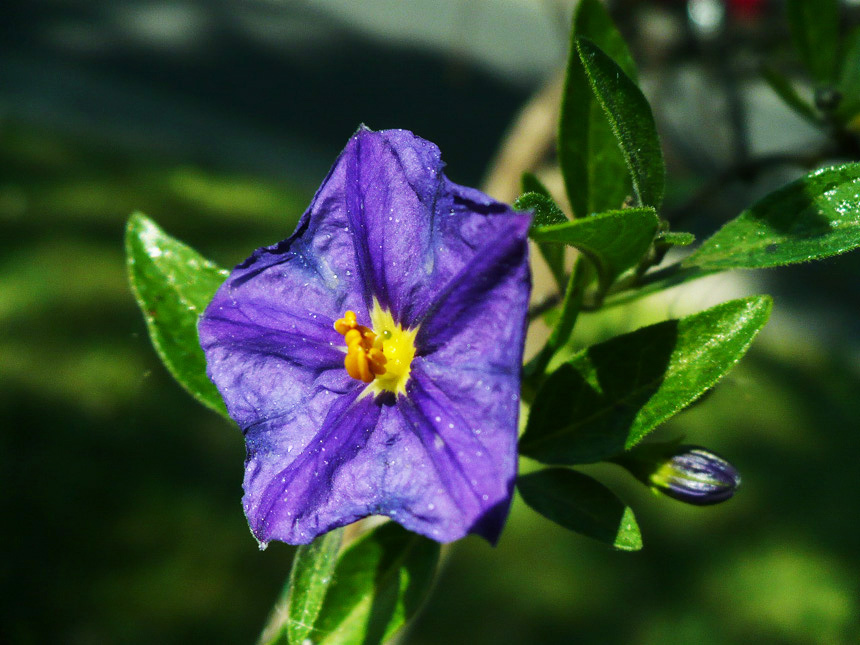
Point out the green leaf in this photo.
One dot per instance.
(313, 568)
(173, 284)
(679, 238)
(814, 28)
(546, 213)
(849, 80)
(607, 398)
(631, 120)
(294, 614)
(785, 90)
(591, 162)
(594, 22)
(582, 504)
(814, 217)
(379, 583)
(614, 241)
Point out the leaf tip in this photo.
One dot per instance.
(629, 537)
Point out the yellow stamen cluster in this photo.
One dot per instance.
(365, 358)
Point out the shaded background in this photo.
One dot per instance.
(219, 119)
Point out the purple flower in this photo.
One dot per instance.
(373, 358)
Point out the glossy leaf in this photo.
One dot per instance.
(173, 284)
(631, 120)
(614, 241)
(581, 504)
(591, 161)
(546, 213)
(812, 218)
(310, 577)
(379, 583)
(607, 398)
(785, 90)
(815, 32)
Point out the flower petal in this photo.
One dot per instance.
(295, 489)
(414, 229)
(472, 449)
(478, 317)
(417, 460)
(266, 353)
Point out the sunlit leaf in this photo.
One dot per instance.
(379, 583)
(614, 241)
(608, 397)
(310, 577)
(582, 504)
(173, 284)
(592, 165)
(630, 116)
(812, 218)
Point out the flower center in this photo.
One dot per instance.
(381, 356)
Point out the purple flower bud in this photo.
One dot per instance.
(696, 476)
(690, 474)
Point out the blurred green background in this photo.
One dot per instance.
(219, 119)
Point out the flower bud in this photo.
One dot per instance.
(689, 474)
(696, 476)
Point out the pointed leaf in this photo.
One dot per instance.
(379, 583)
(630, 116)
(173, 284)
(815, 32)
(292, 619)
(610, 396)
(614, 241)
(814, 217)
(594, 22)
(546, 213)
(588, 153)
(582, 504)
(310, 577)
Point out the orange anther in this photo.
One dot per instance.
(346, 323)
(352, 337)
(365, 358)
